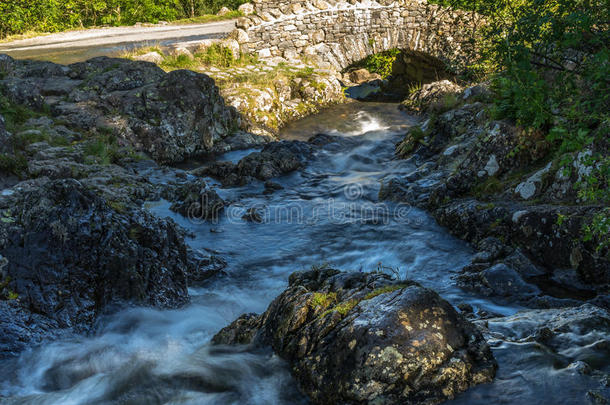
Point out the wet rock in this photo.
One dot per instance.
(522, 265)
(580, 367)
(72, 255)
(203, 267)
(275, 159)
(490, 249)
(271, 187)
(499, 280)
(195, 201)
(358, 338)
(253, 215)
(535, 231)
(579, 336)
(597, 398)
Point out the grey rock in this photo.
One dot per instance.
(71, 256)
(358, 338)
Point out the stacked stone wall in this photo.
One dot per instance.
(337, 33)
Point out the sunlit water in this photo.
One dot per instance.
(327, 213)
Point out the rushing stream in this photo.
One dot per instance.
(327, 213)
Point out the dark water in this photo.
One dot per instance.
(328, 213)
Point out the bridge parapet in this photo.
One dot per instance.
(339, 33)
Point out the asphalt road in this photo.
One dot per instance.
(77, 46)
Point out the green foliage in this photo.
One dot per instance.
(549, 61)
(380, 63)
(599, 231)
(21, 16)
(193, 8)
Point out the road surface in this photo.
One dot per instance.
(77, 46)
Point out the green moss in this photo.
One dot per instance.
(346, 306)
(8, 294)
(342, 308)
(384, 290)
(118, 206)
(323, 300)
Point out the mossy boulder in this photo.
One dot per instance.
(360, 338)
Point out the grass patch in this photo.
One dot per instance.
(174, 62)
(15, 115)
(15, 164)
(414, 137)
(207, 18)
(491, 185)
(102, 150)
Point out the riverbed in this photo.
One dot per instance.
(326, 214)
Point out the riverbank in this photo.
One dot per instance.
(502, 189)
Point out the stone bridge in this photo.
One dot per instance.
(337, 33)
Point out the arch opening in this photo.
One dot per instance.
(391, 75)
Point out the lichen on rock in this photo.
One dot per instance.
(359, 338)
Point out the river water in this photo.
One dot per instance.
(327, 213)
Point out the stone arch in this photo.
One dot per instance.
(338, 33)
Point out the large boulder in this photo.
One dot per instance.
(172, 116)
(69, 255)
(359, 338)
(432, 97)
